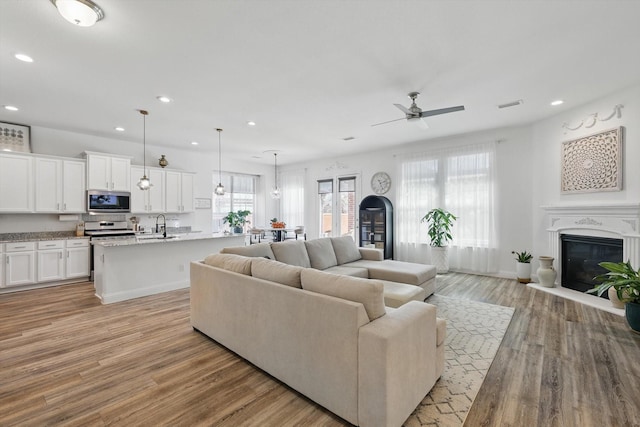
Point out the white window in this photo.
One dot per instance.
(240, 194)
(338, 207)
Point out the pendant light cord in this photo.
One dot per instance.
(275, 170)
(219, 156)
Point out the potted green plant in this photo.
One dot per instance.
(523, 266)
(622, 277)
(237, 220)
(439, 223)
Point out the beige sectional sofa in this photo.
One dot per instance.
(328, 336)
(340, 255)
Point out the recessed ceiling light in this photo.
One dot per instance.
(24, 58)
(251, 123)
(164, 99)
(11, 108)
(194, 142)
(557, 102)
(119, 129)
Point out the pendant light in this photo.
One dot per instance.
(83, 13)
(275, 193)
(144, 183)
(220, 188)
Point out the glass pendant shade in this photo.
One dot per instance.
(219, 191)
(275, 191)
(83, 13)
(144, 183)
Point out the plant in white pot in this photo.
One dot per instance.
(523, 266)
(439, 223)
(626, 281)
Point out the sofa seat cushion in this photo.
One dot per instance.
(292, 252)
(345, 249)
(397, 294)
(276, 271)
(441, 331)
(397, 271)
(231, 262)
(262, 250)
(348, 271)
(365, 291)
(321, 254)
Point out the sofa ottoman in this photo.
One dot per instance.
(397, 294)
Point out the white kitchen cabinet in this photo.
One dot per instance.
(179, 191)
(1, 265)
(50, 260)
(77, 258)
(20, 261)
(151, 200)
(16, 183)
(110, 173)
(59, 185)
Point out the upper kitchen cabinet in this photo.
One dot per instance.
(179, 192)
(59, 185)
(108, 172)
(151, 200)
(16, 183)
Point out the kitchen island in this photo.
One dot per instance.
(150, 264)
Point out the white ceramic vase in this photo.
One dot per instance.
(546, 273)
(613, 297)
(440, 258)
(523, 271)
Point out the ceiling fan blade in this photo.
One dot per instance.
(404, 109)
(441, 111)
(390, 121)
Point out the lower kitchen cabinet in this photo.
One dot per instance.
(77, 259)
(20, 262)
(50, 260)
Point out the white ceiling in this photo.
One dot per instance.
(309, 72)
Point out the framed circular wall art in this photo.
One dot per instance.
(593, 163)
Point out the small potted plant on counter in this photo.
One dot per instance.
(622, 277)
(523, 266)
(439, 224)
(237, 220)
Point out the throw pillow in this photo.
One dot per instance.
(275, 271)
(292, 252)
(259, 250)
(237, 263)
(369, 293)
(345, 249)
(321, 253)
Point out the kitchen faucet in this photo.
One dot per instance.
(164, 225)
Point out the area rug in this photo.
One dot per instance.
(474, 333)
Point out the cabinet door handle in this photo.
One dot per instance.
(50, 245)
(106, 184)
(67, 254)
(57, 206)
(60, 255)
(8, 260)
(64, 206)
(19, 247)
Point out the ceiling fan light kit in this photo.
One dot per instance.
(415, 113)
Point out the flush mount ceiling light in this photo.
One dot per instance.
(220, 188)
(557, 102)
(275, 192)
(144, 183)
(83, 13)
(119, 129)
(164, 99)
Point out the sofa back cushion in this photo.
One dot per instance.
(370, 293)
(237, 263)
(345, 249)
(276, 271)
(321, 253)
(262, 250)
(292, 252)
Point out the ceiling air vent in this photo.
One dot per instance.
(349, 138)
(511, 104)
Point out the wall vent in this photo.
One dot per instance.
(349, 138)
(511, 104)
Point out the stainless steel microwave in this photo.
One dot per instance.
(99, 201)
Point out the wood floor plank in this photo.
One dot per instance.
(65, 359)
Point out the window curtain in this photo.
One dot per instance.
(460, 180)
(292, 199)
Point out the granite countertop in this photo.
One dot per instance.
(147, 239)
(39, 235)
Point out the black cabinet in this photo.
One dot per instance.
(376, 224)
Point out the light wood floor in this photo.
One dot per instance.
(67, 360)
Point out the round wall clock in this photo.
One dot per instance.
(380, 182)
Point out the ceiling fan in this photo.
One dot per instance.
(415, 113)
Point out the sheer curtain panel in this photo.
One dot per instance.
(292, 199)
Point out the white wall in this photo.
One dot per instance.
(191, 159)
(547, 138)
(514, 182)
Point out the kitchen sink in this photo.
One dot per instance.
(153, 237)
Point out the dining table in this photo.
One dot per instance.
(279, 233)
